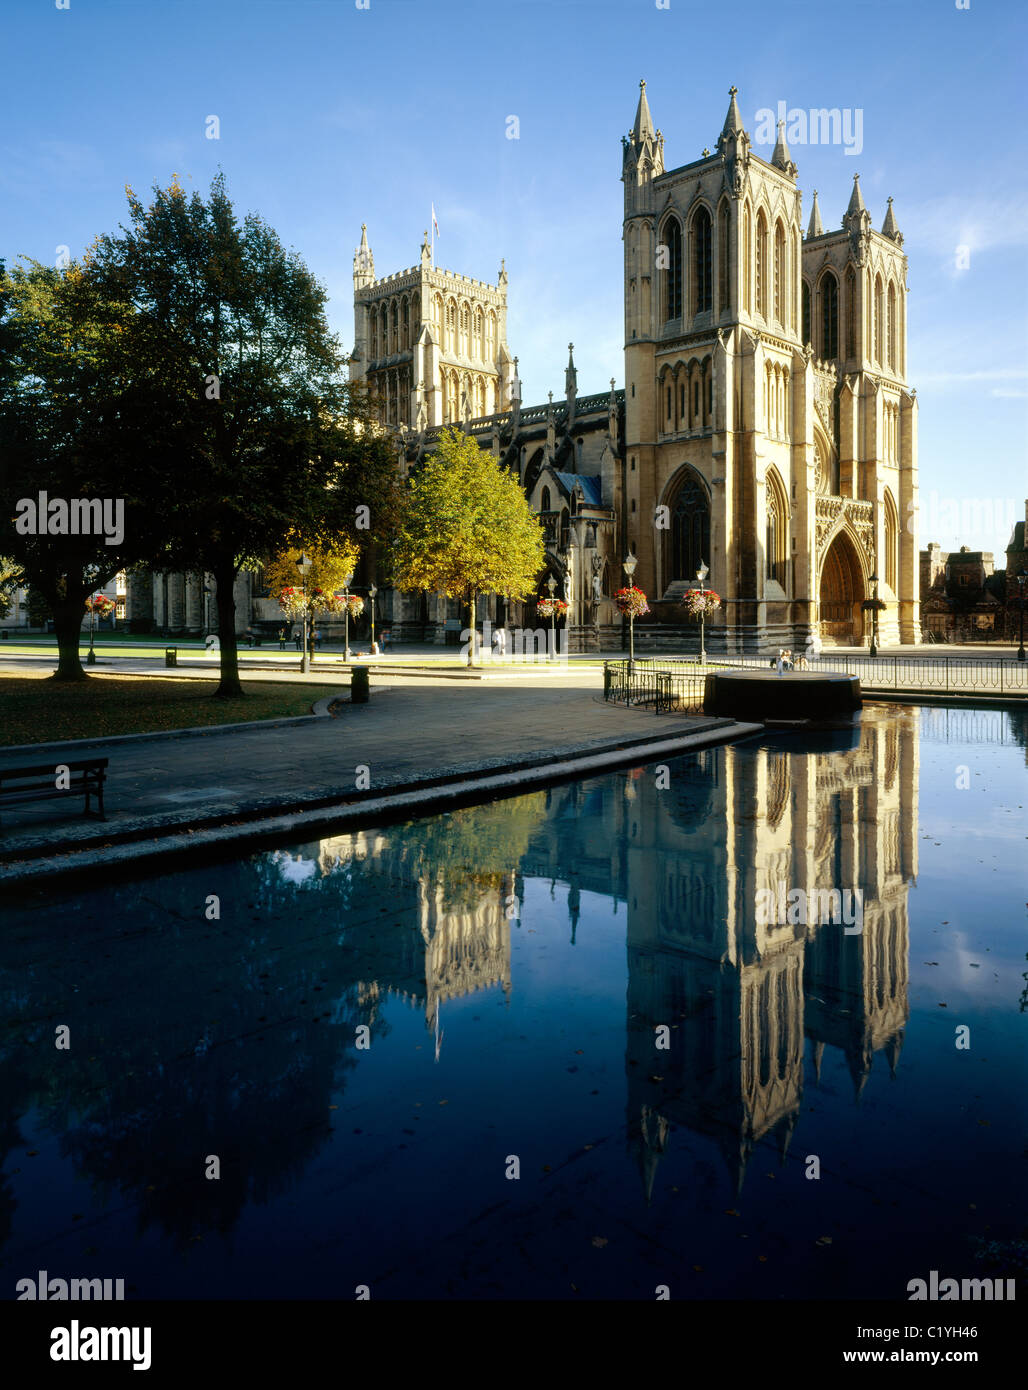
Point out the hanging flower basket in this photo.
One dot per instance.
(631, 602)
(355, 604)
(291, 601)
(873, 605)
(551, 607)
(700, 603)
(100, 604)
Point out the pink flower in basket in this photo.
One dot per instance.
(551, 607)
(701, 602)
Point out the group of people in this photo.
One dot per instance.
(785, 661)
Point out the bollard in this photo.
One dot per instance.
(359, 686)
(171, 656)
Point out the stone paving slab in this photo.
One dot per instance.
(408, 737)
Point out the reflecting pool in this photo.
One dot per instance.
(575, 1044)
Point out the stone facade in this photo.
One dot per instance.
(770, 429)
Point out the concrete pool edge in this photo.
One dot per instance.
(160, 843)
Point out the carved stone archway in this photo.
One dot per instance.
(841, 591)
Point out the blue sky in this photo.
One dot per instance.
(331, 116)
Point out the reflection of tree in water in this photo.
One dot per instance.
(225, 1037)
(475, 848)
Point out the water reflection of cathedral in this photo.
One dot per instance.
(453, 937)
(740, 997)
(688, 860)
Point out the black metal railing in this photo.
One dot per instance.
(667, 683)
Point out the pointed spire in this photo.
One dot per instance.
(363, 260)
(643, 128)
(856, 199)
(815, 228)
(733, 121)
(571, 374)
(781, 158)
(889, 227)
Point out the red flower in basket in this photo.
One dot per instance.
(631, 602)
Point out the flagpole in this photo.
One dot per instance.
(433, 236)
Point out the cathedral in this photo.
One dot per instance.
(766, 429)
(765, 433)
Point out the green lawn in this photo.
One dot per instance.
(36, 709)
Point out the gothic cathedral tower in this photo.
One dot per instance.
(770, 433)
(430, 345)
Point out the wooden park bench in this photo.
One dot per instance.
(39, 782)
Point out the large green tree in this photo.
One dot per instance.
(68, 417)
(263, 442)
(467, 528)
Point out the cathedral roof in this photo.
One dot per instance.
(592, 487)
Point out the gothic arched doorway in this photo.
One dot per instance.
(688, 539)
(842, 591)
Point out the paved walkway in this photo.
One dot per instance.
(407, 737)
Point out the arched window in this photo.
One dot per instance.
(383, 324)
(667, 393)
(780, 290)
(702, 265)
(394, 327)
(477, 337)
(747, 259)
(690, 528)
(544, 502)
(479, 397)
(372, 334)
(465, 330)
(851, 312)
(451, 327)
(891, 537)
(405, 325)
(490, 336)
(682, 421)
(806, 312)
(829, 316)
(673, 274)
(890, 325)
(776, 550)
(452, 415)
(878, 318)
(724, 296)
(761, 265)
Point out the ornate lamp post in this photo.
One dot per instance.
(1021, 579)
(346, 620)
(874, 615)
(628, 564)
(303, 565)
(701, 575)
(371, 595)
(551, 584)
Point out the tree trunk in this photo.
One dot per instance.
(68, 626)
(471, 625)
(224, 580)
